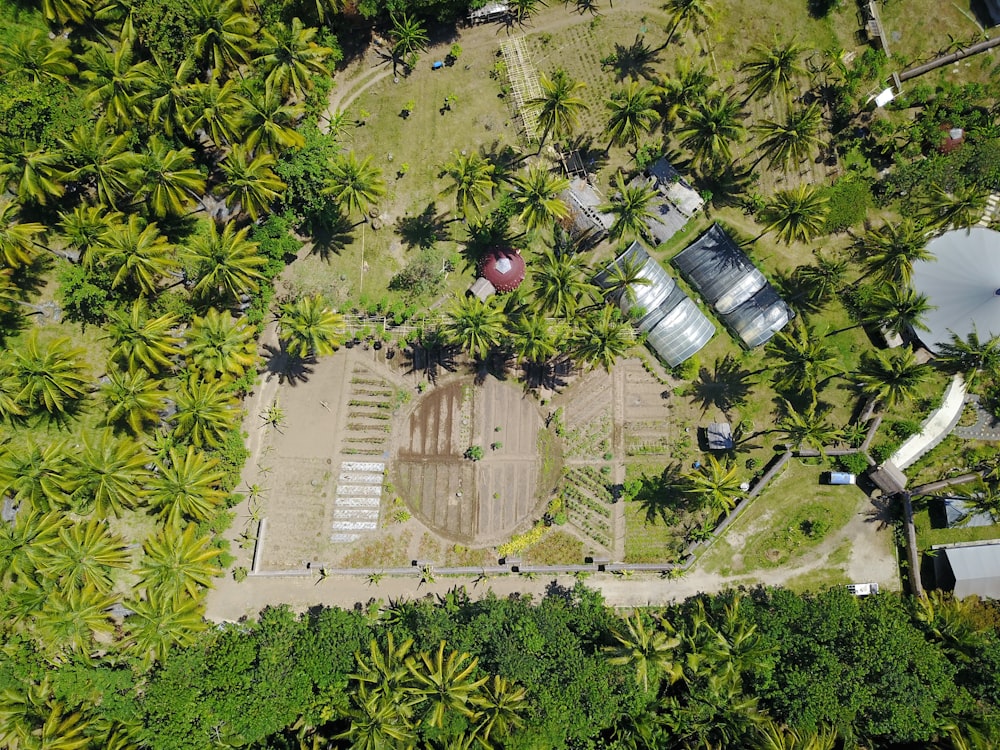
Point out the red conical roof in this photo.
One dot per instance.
(503, 267)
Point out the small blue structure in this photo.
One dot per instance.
(840, 477)
(437, 65)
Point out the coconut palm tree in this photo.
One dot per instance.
(158, 623)
(796, 214)
(186, 487)
(289, 58)
(32, 56)
(109, 475)
(447, 684)
(710, 126)
(898, 309)
(601, 338)
(622, 279)
(18, 245)
(178, 562)
(85, 557)
(789, 142)
(167, 179)
(536, 195)
(773, 69)
(133, 398)
(715, 484)
(891, 376)
(140, 341)
(631, 206)
(221, 346)
(470, 178)
(206, 411)
(23, 543)
(86, 230)
(217, 110)
(36, 474)
(631, 113)
(501, 704)
(309, 328)
(32, 174)
(70, 619)
(959, 208)
(476, 326)
(534, 339)
(808, 426)
(100, 162)
(650, 650)
(803, 360)
(687, 15)
(408, 38)
(227, 35)
(973, 357)
(167, 88)
(376, 723)
(681, 91)
(560, 283)
(52, 375)
(227, 265)
(65, 12)
(251, 183)
(559, 106)
(268, 122)
(890, 251)
(355, 185)
(137, 256)
(115, 81)
(821, 281)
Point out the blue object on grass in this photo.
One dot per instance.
(437, 65)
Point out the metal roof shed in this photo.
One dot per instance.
(759, 318)
(969, 569)
(719, 270)
(719, 436)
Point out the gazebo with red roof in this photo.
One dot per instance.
(503, 267)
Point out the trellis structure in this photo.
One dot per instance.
(524, 84)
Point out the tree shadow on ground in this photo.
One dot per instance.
(726, 185)
(636, 61)
(290, 370)
(430, 354)
(331, 236)
(584, 6)
(551, 374)
(499, 363)
(797, 291)
(662, 497)
(423, 230)
(727, 388)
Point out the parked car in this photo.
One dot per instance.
(863, 589)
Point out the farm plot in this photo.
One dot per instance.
(588, 501)
(646, 414)
(584, 416)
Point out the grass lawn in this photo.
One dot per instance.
(792, 517)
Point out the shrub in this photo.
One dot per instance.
(240, 574)
(904, 428)
(849, 199)
(855, 463)
(474, 452)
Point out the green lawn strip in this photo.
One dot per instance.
(556, 548)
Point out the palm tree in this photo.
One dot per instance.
(773, 69)
(17, 239)
(476, 326)
(23, 543)
(710, 126)
(408, 38)
(289, 58)
(649, 650)
(178, 562)
(536, 194)
(85, 557)
(65, 12)
(186, 487)
(898, 309)
(796, 214)
(226, 37)
(51, 375)
(560, 283)
(715, 484)
(534, 338)
(109, 475)
(36, 474)
(890, 251)
(221, 346)
(32, 174)
(622, 279)
(217, 110)
(559, 105)
(250, 181)
(446, 683)
(86, 230)
(375, 724)
(158, 622)
(355, 186)
(631, 112)
(206, 411)
(100, 162)
(471, 180)
(70, 619)
(500, 707)
(167, 88)
(602, 337)
(632, 208)
(385, 677)
(309, 328)
(269, 122)
(140, 341)
(226, 265)
(792, 141)
(167, 179)
(115, 80)
(808, 426)
(802, 360)
(681, 91)
(891, 376)
(959, 208)
(974, 358)
(133, 398)
(137, 256)
(32, 56)
(687, 15)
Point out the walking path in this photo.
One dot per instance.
(987, 426)
(936, 427)
(991, 209)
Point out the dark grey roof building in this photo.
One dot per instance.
(967, 569)
(730, 282)
(674, 326)
(961, 513)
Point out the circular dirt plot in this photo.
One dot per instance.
(473, 502)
